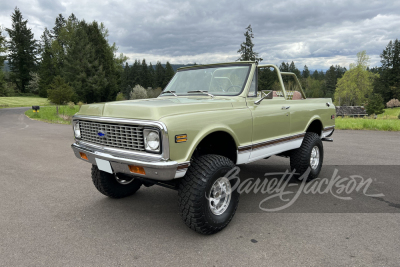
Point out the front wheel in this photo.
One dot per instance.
(207, 200)
(310, 156)
(112, 186)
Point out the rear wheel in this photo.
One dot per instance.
(112, 186)
(309, 156)
(206, 199)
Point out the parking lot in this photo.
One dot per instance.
(52, 215)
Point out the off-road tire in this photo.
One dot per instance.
(107, 184)
(300, 158)
(193, 187)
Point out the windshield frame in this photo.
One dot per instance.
(249, 65)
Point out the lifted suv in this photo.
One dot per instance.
(207, 120)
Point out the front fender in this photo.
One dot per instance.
(236, 122)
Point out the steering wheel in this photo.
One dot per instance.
(233, 86)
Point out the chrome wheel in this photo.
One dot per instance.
(314, 159)
(123, 181)
(220, 196)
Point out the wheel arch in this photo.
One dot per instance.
(218, 141)
(315, 125)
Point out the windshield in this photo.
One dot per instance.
(226, 80)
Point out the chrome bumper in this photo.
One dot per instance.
(156, 170)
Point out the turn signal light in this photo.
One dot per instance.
(137, 169)
(83, 155)
(180, 138)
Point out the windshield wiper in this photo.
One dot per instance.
(201, 91)
(168, 91)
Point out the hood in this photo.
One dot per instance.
(156, 108)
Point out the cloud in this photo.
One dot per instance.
(316, 33)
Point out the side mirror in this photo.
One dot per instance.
(268, 95)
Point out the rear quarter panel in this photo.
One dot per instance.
(304, 112)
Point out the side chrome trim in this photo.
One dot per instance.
(245, 153)
(163, 128)
(244, 149)
(277, 141)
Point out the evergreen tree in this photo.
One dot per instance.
(22, 51)
(284, 67)
(292, 68)
(82, 69)
(375, 105)
(159, 75)
(47, 66)
(246, 48)
(125, 81)
(315, 75)
(331, 80)
(266, 78)
(60, 92)
(135, 77)
(59, 24)
(105, 55)
(3, 50)
(151, 76)
(306, 72)
(169, 73)
(90, 65)
(390, 71)
(145, 81)
(321, 75)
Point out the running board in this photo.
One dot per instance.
(327, 139)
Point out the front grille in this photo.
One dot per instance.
(119, 136)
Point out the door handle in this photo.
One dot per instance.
(285, 107)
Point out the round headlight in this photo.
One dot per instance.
(77, 130)
(153, 140)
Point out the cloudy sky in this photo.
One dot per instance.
(316, 33)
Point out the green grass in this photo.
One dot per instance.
(388, 121)
(22, 101)
(390, 113)
(49, 114)
(367, 124)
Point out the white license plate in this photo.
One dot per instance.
(104, 165)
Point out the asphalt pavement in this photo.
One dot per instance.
(52, 215)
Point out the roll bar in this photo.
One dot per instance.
(280, 74)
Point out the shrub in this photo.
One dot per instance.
(80, 103)
(375, 105)
(120, 97)
(60, 92)
(153, 93)
(138, 92)
(393, 103)
(71, 105)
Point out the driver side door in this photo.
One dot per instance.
(271, 127)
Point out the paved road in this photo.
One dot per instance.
(51, 214)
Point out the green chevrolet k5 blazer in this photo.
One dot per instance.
(208, 119)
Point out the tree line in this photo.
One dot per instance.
(360, 85)
(75, 57)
